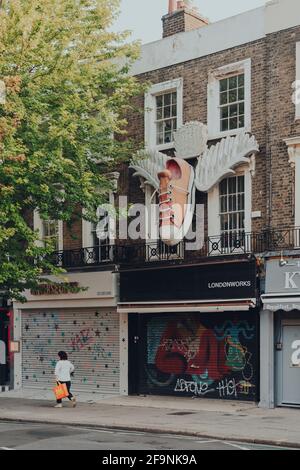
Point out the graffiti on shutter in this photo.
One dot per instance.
(209, 356)
(91, 339)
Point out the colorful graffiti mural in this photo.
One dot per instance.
(212, 356)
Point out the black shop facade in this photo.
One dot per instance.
(193, 330)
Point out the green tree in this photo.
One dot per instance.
(64, 92)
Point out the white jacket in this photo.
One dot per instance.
(63, 369)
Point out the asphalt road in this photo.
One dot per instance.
(28, 436)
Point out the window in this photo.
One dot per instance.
(232, 210)
(98, 238)
(50, 232)
(166, 117)
(232, 102)
(100, 235)
(163, 114)
(229, 100)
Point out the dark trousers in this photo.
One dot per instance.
(70, 396)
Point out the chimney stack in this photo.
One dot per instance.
(172, 6)
(181, 17)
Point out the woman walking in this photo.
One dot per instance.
(63, 370)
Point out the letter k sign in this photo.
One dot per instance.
(289, 280)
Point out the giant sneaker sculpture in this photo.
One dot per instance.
(176, 181)
(176, 200)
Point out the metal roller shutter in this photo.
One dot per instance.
(204, 355)
(90, 337)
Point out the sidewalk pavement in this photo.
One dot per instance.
(218, 419)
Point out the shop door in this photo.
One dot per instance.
(133, 353)
(291, 365)
(4, 356)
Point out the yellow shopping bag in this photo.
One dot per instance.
(60, 391)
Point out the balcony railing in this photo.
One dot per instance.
(92, 256)
(144, 253)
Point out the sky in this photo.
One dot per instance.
(143, 17)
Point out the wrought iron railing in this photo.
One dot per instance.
(141, 253)
(91, 256)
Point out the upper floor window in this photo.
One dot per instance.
(229, 100)
(232, 102)
(166, 117)
(232, 208)
(50, 232)
(163, 114)
(98, 238)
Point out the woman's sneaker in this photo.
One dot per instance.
(59, 405)
(176, 200)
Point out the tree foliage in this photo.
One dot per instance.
(65, 91)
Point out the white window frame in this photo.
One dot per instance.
(213, 98)
(293, 145)
(297, 105)
(87, 237)
(213, 205)
(38, 225)
(150, 111)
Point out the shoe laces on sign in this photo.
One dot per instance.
(166, 196)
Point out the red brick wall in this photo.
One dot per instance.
(180, 21)
(72, 234)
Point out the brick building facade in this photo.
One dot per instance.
(177, 336)
(164, 324)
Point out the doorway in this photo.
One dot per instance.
(4, 349)
(134, 335)
(289, 365)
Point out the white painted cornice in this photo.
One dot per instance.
(215, 37)
(244, 28)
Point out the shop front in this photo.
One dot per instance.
(280, 326)
(193, 330)
(5, 328)
(84, 323)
